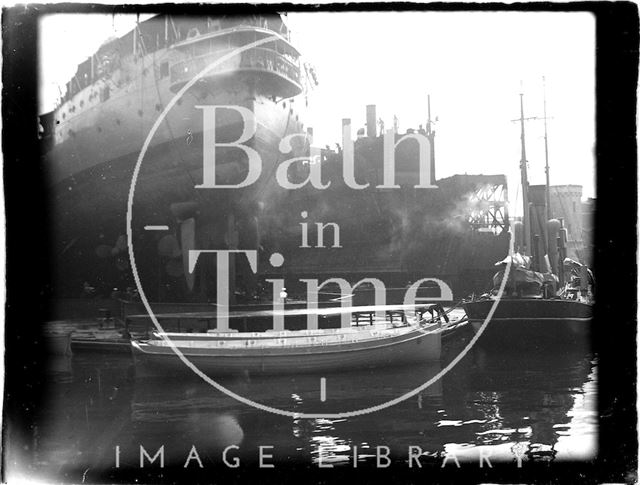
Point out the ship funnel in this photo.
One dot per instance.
(187, 243)
(518, 235)
(184, 210)
(346, 131)
(371, 121)
(553, 230)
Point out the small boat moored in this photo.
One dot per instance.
(292, 351)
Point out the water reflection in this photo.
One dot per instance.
(528, 400)
(505, 405)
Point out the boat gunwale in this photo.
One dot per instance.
(286, 312)
(282, 334)
(388, 333)
(257, 352)
(534, 319)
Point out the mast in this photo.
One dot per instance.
(525, 183)
(428, 114)
(547, 200)
(431, 136)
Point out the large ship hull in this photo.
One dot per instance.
(90, 205)
(93, 139)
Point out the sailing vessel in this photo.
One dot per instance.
(536, 303)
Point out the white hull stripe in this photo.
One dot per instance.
(535, 319)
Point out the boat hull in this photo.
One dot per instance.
(523, 322)
(58, 343)
(115, 345)
(410, 348)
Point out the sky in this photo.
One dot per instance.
(474, 65)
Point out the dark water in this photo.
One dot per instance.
(540, 407)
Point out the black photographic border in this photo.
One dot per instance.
(615, 324)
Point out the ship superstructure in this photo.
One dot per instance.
(115, 96)
(454, 231)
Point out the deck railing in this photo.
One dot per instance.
(258, 58)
